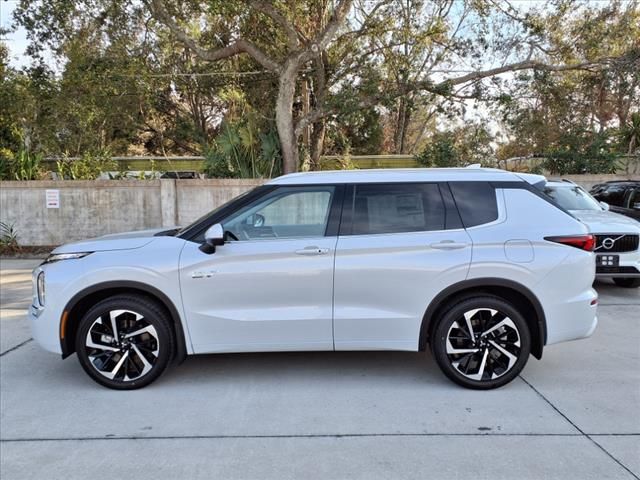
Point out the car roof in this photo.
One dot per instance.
(612, 182)
(393, 175)
(560, 183)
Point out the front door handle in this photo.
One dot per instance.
(312, 251)
(448, 245)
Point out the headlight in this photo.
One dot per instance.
(40, 289)
(55, 257)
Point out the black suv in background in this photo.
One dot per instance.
(623, 196)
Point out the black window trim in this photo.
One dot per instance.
(341, 213)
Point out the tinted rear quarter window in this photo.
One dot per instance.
(476, 202)
(395, 208)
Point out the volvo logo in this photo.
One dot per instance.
(608, 243)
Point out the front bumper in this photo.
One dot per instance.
(45, 328)
(628, 265)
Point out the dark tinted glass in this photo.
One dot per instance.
(613, 194)
(476, 202)
(634, 198)
(394, 208)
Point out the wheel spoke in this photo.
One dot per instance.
(512, 358)
(451, 350)
(113, 315)
(111, 375)
(145, 362)
(483, 364)
(148, 329)
(467, 317)
(99, 346)
(504, 322)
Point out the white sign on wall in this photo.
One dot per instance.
(53, 198)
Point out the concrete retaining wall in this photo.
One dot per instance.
(93, 208)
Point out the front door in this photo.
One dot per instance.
(271, 287)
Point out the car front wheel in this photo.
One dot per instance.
(124, 342)
(481, 342)
(627, 282)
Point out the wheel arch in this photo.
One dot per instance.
(516, 293)
(89, 296)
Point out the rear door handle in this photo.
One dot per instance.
(448, 245)
(312, 251)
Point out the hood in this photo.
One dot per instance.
(113, 241)
(602, 221)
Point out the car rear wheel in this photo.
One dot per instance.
(627, 282)
(124, 342)
(481, 342)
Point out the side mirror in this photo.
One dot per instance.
(604, 205)
(213, 237)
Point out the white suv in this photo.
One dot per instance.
(478, 264)
(617, 237)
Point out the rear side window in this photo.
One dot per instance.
(395, 208)
(476, 202)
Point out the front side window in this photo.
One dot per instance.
(634, 199)
(287, 212)
(395, 208)
(613, 194)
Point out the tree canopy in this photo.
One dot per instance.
(298, 79)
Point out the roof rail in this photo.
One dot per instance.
(568, 181)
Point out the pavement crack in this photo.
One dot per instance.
(16, 347)
(579, 429)
(281, 436)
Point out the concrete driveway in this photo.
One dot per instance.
(573, 415)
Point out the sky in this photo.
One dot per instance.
(16, 41)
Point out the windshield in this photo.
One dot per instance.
(572, 197)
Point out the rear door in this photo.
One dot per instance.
(399, 245)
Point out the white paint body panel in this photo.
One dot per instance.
(383, 284)
(259, 296)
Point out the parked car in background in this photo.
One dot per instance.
(477, 264)
(617, 237)
(621, 196)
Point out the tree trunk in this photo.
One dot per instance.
(317, 144)
(284, 117)
(402, 124)
(319, 95)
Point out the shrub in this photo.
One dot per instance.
(8, 238)
(241, 150)
(25, 165)
(87, 167)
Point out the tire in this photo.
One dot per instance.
(500, 336)
(125, 361)
(627, 282)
